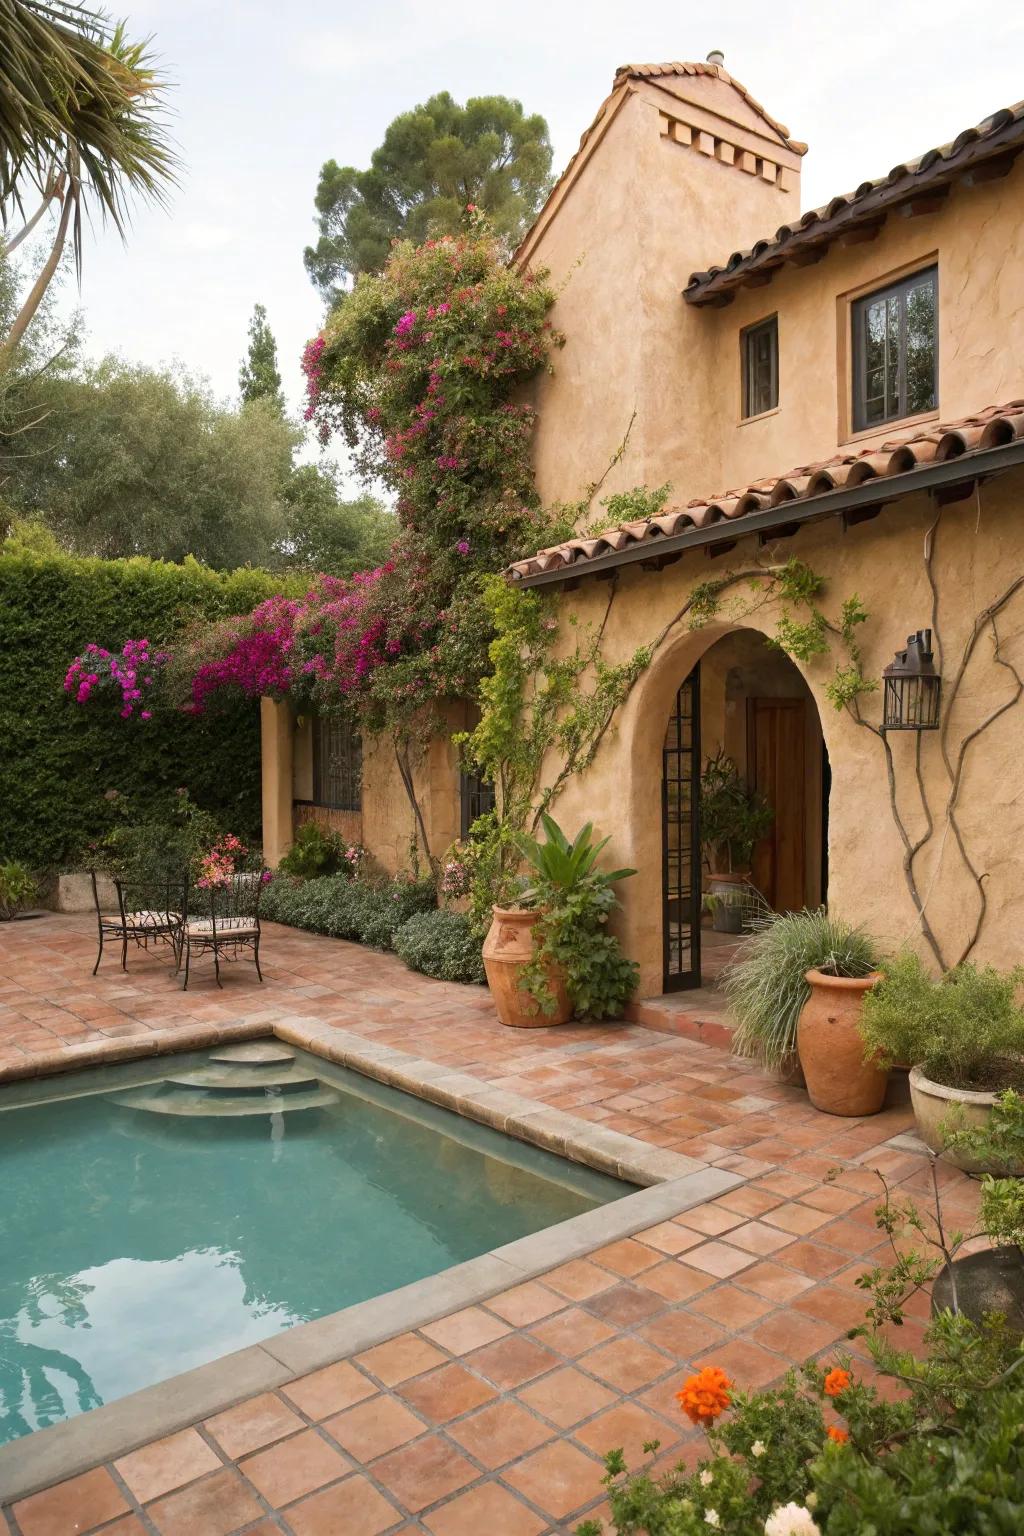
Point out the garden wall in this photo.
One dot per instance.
(59, 760)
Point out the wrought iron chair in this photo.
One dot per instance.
(150, 911)
(226, 922)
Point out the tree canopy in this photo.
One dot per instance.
(259, 377)
(325, 532)
(434, 161)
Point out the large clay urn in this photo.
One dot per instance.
(839, 1080)
(507, 948)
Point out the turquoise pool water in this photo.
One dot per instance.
(148, 1226)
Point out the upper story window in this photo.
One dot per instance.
(337, 764)
(895, 351)
(760, 355)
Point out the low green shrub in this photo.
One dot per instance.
(370, 912)
(316, 850)
(965, 1030)
(17, 889)
(441, 944)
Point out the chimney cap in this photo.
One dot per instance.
(716, 56)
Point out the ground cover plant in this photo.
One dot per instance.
(368, 911)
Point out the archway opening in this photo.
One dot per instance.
(746, 704)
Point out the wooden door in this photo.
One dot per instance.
(777, 768)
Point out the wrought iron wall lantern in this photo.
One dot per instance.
(913, 688)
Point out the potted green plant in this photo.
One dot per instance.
(964, 1035)
(550, 956)
(796, 987)
(733, 819)
(17, 891)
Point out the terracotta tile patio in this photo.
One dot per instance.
(495, 1418)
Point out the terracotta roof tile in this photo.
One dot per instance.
(987, 428)
(997, 138)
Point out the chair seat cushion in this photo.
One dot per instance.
(229, 927)
(144, 919)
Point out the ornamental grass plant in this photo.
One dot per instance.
(766, 984)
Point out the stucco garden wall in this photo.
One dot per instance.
(979, 550)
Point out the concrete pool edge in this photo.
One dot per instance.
(63, 1450)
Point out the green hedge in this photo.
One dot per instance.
(368, 911)
(441, 944)
(58, 759)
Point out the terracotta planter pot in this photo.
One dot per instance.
(507, 948)
(839, 1080)
(934, 1103)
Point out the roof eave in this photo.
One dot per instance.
(871, 494)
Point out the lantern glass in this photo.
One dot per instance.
(912, 703)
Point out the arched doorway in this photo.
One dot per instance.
(744, 698)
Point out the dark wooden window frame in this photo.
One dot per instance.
(858, 310)
(749, 337)
(337, 784)
(476, 798)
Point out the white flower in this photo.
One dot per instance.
(791, 1520)
(711, 1517)
(706, 1478)
(758, 1448)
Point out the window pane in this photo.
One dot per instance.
(921, 347)
(760, 368)
(337, 764)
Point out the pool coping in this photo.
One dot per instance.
(673, 1184)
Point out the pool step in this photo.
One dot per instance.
(243, 1076)
(198, 1103)
(255, 1053)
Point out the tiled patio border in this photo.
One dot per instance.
(675, 1184)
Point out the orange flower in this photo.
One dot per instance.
(840, 1436)
(705, 1395)
(836, 1381)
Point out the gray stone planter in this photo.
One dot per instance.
(74, 892)
(935, 1104)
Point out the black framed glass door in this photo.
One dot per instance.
(680, 839)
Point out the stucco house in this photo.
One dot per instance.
(843, 386)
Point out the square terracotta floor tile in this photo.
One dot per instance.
(216, 1505)
(571, 1332)
(625, 1257)
(625, 1305)
(674, 1281)
(829, 1198)
(420, 1474)
(718, 1259)
(446, 1393)
(811, 1258)
(669, 1237)
(757, 1237)
(774, 1283)
(509, 1362)
(373, 1428)
(579, 1279)
(329, 1390)
(465, 1330)
(626, 1363)
(293, 1467)
(629, 1427)
(75, 1505)
(558, 1479)
(787, 1184)
(797, 1219)
(748, 1365)
(398, 1359)
(711, 1220)
(351, 1508)
(795, 1335)
(501, 1433)
(167, 1464)
(131, 1525)
(251, 1425)
(729, 1306)
(565, 1397)
(526, 1304)
(485, 1511)
(833, 1306)
(681, 1334)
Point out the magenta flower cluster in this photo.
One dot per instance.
(132, 671)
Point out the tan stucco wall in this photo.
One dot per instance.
(386, 824)
(643, 214)
(980, 548)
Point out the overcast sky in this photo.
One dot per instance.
(266, 90)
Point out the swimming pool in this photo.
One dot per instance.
(157, 1216)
